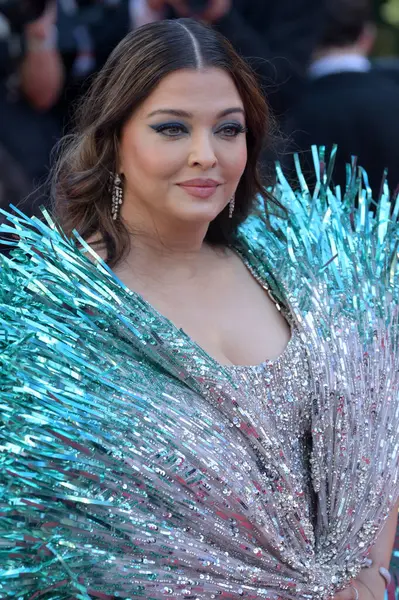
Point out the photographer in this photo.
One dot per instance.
(276, 36)
(41, 71)
(31, 80)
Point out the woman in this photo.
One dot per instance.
(217, 415)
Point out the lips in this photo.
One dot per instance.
(200, 188)
(200, 183)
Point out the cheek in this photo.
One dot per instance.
(236, 161)
(243, 157)
(152, 159)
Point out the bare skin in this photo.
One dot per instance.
(208, 297)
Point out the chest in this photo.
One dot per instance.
(228, 314)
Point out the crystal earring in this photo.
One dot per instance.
(117, 196)
(232, 204)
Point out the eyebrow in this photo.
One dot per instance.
(187, 115)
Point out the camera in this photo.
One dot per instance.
(197, 6)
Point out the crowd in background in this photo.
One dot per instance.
(312, 58)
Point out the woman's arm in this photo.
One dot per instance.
(370, 583)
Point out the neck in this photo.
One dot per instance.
(353, 50)
(362, 46)
(164, 250)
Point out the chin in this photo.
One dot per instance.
(199, 218)
(200, 214)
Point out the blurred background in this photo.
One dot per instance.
(387, 17)
(329, 69)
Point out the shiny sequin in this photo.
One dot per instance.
(132, 465)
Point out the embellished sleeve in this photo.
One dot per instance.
(334, 261)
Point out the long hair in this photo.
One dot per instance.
(81, 177)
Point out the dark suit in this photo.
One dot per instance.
(359, 111)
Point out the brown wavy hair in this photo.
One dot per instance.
(87, 157)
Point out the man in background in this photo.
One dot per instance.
(347, 102)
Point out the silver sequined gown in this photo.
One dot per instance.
(278, 391)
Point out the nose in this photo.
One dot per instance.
(202, 153)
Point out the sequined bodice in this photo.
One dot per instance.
(277, 393)
(280, 387)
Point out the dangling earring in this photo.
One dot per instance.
(117, 195)
(232, 204)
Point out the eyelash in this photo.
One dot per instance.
(237, 127)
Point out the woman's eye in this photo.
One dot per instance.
(232, 130)
(170, 129)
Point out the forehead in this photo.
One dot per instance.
(205, 91)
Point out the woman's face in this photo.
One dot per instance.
(183, 151)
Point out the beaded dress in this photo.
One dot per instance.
(281, 390)
(133, 465)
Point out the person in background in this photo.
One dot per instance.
(41, 71)
(31, 82)
(348, 102)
